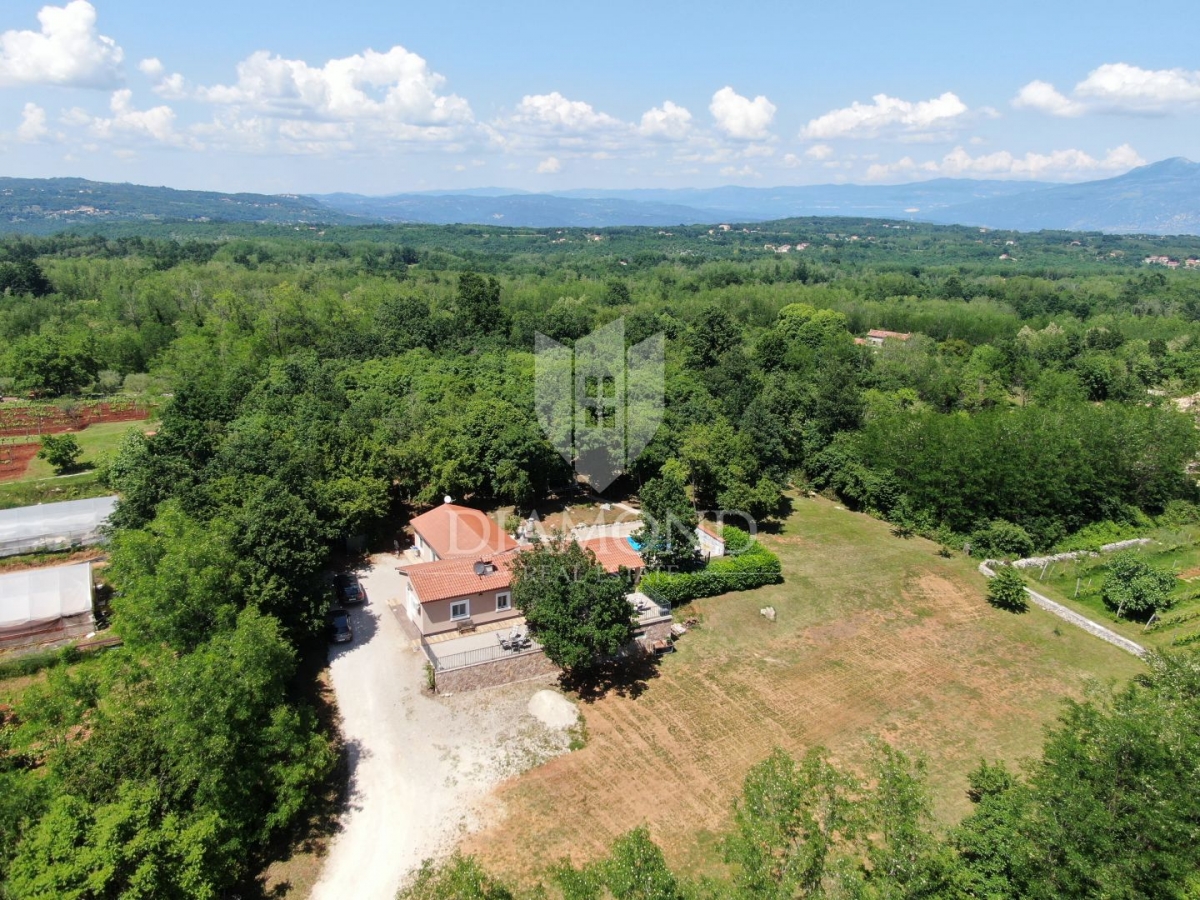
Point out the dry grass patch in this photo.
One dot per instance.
(876, 637)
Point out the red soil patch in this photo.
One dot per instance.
(15, 459)
(28, 420)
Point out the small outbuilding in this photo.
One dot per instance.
(54, 526)
(41, 605)
(712, 542)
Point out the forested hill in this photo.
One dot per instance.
(47, 205)
(1162, 198)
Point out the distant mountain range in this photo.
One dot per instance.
(1162, 198)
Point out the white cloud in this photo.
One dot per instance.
(171, 87)
(1057, 165)
(66, 51)
(819, 151)
(396, 89)
(669, 121)
(1042, 96)
(127, 122)
(740, 117)
(884, 113)
(152, 68)
(33, 124)
(746, 171)
(554, 112)
(1116, 87)
(1125, 87)
(551, 165)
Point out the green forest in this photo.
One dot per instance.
(320, 384)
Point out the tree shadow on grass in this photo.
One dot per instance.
(626, 676)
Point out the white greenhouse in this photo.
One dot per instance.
(38, 605)
(53, 526)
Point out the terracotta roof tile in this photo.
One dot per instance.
(449, 578)
(456, 531)
(446, 578)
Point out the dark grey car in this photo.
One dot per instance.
(340, 631)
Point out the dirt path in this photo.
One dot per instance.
(419, 766)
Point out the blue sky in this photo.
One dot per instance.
(380, 97)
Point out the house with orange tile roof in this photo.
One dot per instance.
(452, 532)
(876, 336)
(464, 577)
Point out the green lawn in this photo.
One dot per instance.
(97, 441)
(39, 484)
(1077, 584)
(51, 490)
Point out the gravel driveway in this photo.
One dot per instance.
(420, 767)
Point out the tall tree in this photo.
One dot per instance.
(668, 533)
(478, 301)
(574, 609)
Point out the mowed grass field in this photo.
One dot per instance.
(876, 637)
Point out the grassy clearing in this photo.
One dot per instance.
(40, 485)
(876, 637)
(49, 558)
(51, 490)
(1177, 550)
(97, 443)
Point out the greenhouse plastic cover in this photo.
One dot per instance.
(44, 596)
(53, 526)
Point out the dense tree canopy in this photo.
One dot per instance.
(317, 386)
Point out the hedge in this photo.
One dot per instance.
(753, 567)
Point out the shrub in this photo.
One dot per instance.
(62, 451)
(1000, 538)
(1007, 590)
(1134, 588)
(736, 540)
(1093, 537)
(750, 568)
(1178, 513)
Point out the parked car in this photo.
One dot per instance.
(339, 626)
(350, 590)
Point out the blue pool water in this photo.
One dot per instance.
(634, 544)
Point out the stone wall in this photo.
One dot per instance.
(1069, 615)
(491, 674)
(1036, 562)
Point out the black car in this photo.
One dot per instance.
(350, 590)
(339, 626)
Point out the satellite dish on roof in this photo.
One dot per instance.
(484, 567)
(447, 499)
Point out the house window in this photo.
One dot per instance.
(503, 602)
(460, 609)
